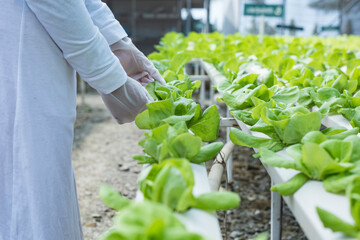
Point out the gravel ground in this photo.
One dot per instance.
(102, 154)
(252, 217)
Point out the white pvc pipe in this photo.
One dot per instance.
(217, 169)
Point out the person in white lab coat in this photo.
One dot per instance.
(42, 44)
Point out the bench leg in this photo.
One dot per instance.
(202, 88)
(229, 164)
(276, 212)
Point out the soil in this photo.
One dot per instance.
(252, 217)
(102, 155)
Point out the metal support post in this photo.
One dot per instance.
(262, 26)
(236, 15)
(188, 18)
(229, 165)
(179, 21)
(241, 17)
(202, 88)
(276, 212)
(196, 68)
(284, 18)
(207, 20)
(212, 100)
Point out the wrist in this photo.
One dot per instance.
(121, 44)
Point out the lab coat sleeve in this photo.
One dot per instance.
(69, 24)
(104, 19)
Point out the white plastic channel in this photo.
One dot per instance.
(304, 202)
(337, 120)
(214, 75)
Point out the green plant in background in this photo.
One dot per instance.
(311, 62)
(142, 220)
(283, 126)
(171, 183)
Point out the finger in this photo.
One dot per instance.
(143, 78)
(157, 76)
(147, 95)
(146, 79)
(139, 75)
(154, 73)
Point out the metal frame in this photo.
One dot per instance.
(276, 215)
(212, 77)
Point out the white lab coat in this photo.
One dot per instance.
(42, 43)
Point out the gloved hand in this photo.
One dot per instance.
(126, 102)
(135, 63)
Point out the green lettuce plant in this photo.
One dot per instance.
(203, 124)
(171, 183)
(283, 126)
(175, 141)
(319, 156)
(142, 220)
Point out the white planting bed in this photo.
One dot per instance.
(197, 220)
(304, 202)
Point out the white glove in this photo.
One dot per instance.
(135, 63)
(126, 102)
